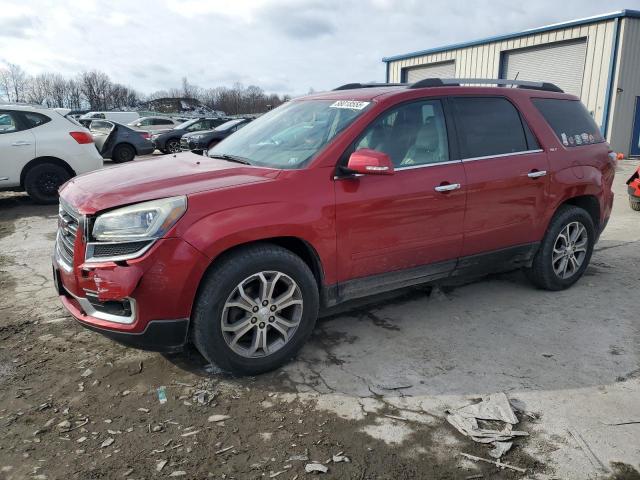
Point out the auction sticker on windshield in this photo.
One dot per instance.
(351, 104)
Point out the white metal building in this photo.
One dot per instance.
(596, 58)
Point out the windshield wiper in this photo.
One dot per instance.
(230, 158)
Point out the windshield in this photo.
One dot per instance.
(292, 134)
(228, 125)
(185, 124)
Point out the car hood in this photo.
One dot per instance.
(172, 175)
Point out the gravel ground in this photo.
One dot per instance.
(373, 383)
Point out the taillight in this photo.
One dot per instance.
(146, 135)
(82, 137)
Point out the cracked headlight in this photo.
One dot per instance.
(141, 221)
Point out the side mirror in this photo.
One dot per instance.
(370, 162)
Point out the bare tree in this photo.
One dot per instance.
(13, 81)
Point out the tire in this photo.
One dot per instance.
(173, 146)
(123, 153)
(43, 181)
(634, 202)
(566, 222)
(220, 301)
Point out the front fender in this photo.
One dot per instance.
(222, 230)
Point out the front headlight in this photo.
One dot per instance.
(142, 221)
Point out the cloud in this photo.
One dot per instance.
(286, 46)
(21, 26)
(305, 21)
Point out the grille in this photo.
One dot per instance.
(67, 232)
(117, 249)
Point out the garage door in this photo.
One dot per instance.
(559, 63)
(435, 70)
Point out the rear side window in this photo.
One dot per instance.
(489, 126)
(570, 121)
(33, 120)
(8, 123)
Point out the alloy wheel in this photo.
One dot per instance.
(262, 314)
(570, 250)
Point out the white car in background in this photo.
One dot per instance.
(40, 149)
(154, 124)
(120, 117)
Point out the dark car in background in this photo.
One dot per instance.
(169, 141)
(119, 142)
(198, 142)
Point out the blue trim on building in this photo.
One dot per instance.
(547, 28)
(612, 70)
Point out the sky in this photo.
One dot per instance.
(283, 46)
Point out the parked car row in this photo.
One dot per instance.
(199, 141)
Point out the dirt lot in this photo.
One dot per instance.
(374, 382)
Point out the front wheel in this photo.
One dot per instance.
(173, 146)
(634, 203)
(565, 251)
(255, 310)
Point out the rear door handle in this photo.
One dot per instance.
(20, 143)
(447, 188)
(537, 174)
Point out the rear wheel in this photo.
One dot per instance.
(634, 202)
(565, 251)
(43, 181)
(172, 146)
(123, 153)
(255, 309)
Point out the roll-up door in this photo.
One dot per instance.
(560, 63)
(435, 70)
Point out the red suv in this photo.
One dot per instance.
(327, 198)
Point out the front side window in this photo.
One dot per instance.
(488, 126)
(292, 134)
(411, 134)
(162, 121)
(570, 121)
(8, 123)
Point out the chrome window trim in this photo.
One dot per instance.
(89, 258)
(500, 155)
(423, 165)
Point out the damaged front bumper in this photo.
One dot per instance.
(120, 299)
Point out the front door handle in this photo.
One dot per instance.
(20, 143)
(537, 173)
(448, 187)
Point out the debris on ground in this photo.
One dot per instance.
(492, 409)
(107, 442)
(315, 468)
(500, 449)
(218, 418)
(162, 395)
(339, 457)
(497, 463)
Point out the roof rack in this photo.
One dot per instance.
(456, 82)
(351, 86)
